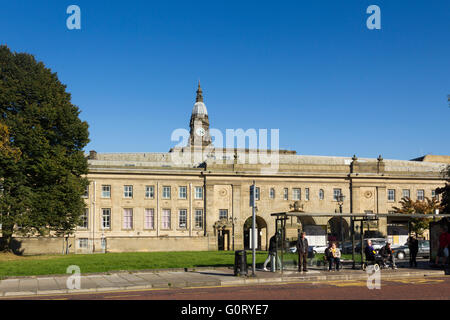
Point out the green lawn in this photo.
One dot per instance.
(88, 263)
(11, 265)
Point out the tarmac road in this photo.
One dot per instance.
(423, 288)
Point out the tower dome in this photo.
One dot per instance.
(199, 106)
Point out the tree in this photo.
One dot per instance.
(445, 191)
(42, 188)
(6, 151)
(427, 206)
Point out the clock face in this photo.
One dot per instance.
(200, 132)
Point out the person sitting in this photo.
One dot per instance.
(387, 253)
(334, 256)
(371, 254)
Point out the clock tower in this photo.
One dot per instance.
(199, 124)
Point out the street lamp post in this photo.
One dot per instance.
(340, 199)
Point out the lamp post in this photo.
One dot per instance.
(340, 201)
(233, 222)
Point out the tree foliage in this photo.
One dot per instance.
(43, 187)
(427, 206)
(445, 191)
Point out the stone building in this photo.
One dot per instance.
(150, 202)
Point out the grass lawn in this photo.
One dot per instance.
(11, 265)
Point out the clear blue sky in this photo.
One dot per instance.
(309, 68)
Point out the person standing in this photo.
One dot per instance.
(272, 254)
(413, 245)
(302, 250)
(444, 240)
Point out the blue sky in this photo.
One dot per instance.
(311, 69)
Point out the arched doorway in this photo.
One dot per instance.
(261, 227)
(338, 229)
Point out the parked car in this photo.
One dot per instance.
(403, 251)
(311, 252)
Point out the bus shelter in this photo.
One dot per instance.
(359, 223)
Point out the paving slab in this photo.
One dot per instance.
(9, 285)
(133, 279)
(101, 282)
(28, 285)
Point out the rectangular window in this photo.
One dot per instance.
(272, 193)
(149, 219)
(128, 191)
(106, 191)
(434, 195)
(296, 194)
(223, 214)
(106, 218)
(391, 195)
(83, 243)
(199, 218)
(321, 194)
(286, 194)
(336, 194)
(182, 219)
(86, 192)
(420, 195)
(182, 192)
(84, 219)
(406, 193)
(128, 219)
(198, 192)
(166, 192)
(166, 219)
(307, 194)
(150, 192)
(256, 193)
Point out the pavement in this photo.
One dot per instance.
(185, 278)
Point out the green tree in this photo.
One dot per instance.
(445, 191)
(42, 188)
(427, 206)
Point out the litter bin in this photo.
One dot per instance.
(240, 263)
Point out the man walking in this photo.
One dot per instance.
(413, 245)
(272, 254)
(302, 250)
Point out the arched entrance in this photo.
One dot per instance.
(261, 227)
(338, 229)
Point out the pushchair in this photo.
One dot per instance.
(377, 261)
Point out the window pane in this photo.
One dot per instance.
(272, 193)
(223, 214)
(199, 218)
(106, 218)
(106, 191)
(321, 194)
(150, 192)
(166, 192)
(182, 219)
(149, 219)
(307, 194)
(128, 218)
(128, 191)
(182, 192)
(166, 219)
(296, 194)
(198, 192)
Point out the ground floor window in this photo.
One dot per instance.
(199, 218)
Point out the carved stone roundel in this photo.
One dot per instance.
(223, 192)
(368, 194)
